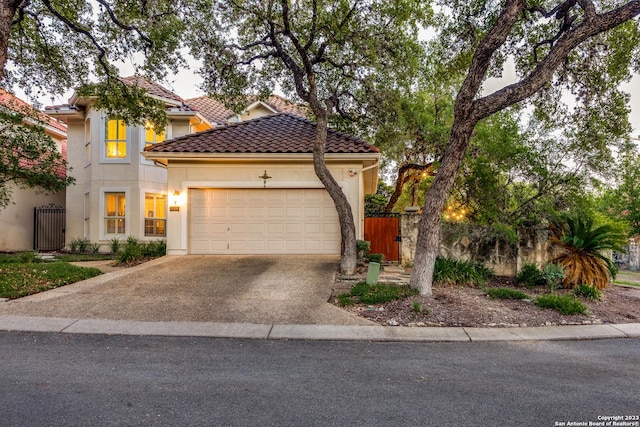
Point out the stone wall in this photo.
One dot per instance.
(470, 243)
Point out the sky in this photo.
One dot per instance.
(186, 84)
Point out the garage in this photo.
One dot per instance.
(251, 188)
(262, 221)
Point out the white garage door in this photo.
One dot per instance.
(263, 221)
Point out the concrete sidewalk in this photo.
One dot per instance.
(314, 332)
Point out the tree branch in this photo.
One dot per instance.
(543, 72)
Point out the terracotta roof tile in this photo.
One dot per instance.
(215, 111)
(211, 109)
(16, 104)
(279, 133)
(152, 88)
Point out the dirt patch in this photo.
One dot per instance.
(471, 307)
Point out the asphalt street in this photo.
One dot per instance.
(82, 380)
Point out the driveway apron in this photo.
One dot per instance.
(247, 289)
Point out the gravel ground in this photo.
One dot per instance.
(471, 307)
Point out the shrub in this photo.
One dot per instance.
(375, 294)
(363, 247)
(553, 275)
(565, 304)
(27, 257)
(131, 251)
(78, 245)
(114, 245)
(587, 291)
(505, 293)
(94, 248)
(417, 308)
(376, 258)
(155, 249)
(460, 272)
(530, 276)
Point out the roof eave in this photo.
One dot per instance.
(165, 157)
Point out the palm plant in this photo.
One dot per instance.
(583, 244)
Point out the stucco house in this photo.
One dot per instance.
(126, 187)
(17, 219)
(250, 188)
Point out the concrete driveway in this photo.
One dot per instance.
(248, 289)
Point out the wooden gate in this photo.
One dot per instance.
(384, 235)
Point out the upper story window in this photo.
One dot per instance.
(151, 136)
(115, 139)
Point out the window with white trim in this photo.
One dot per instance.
(114, 213)
(115, 139)
(155, 215)
(151, 136)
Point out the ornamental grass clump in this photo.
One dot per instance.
(456, 272)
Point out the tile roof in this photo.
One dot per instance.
(278, 133)
(211, 109)
(16, 104)
(152, 88)
(215, 111)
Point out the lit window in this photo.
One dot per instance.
(151, 137)
(116, 139)
(155, 214)
(114, 213)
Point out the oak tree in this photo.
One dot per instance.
(585, 46)
(330, 54)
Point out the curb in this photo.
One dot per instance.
(315, 332)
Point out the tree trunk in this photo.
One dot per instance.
(348, 249)
(7, 12)
(429, 228)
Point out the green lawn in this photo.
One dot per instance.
(18, 279)
(626, 283)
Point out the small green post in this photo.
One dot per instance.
(372, 273)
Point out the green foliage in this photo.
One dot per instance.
(376, 258)
(553, 275)
(94, 247)
(468, 273)
(505, 293)
(131, 251)
(375, 203)
(28, 257)
(114, 245)
(29, 158)
(363, 246)
(79, 245)
(565, 304)
(375, 294)
(134, 249)
(20, 279)
(530, 276)
(589, 292)
(155, 248)
(583, 243)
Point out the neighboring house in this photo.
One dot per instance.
(176, 191)
(17, 219)
(250, 188)
(117, 192)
